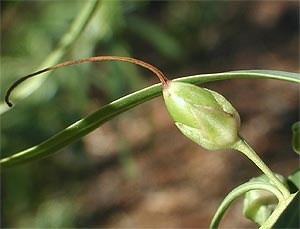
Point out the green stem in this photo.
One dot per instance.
(280, 208)
(246, 149)
(241, 190)
(86, 125)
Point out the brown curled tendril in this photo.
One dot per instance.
(155, 70)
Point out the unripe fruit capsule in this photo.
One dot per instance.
(202, 115)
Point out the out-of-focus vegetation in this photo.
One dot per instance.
(104, 180)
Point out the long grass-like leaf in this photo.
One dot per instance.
(84, 126)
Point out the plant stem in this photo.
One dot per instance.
(78, 25)
(279, 210)
(84, 126)
(242, 146)
(239, 191)
(155, 70)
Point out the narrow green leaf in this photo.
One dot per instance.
(86, 125)
(281, 75)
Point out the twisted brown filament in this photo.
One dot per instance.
(155, 70)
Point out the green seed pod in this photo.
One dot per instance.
(259, 204)
(202, 115)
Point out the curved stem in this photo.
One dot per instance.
(77, 26)
(155, 70)
(84, 126)
(237, 192)
(246, 149)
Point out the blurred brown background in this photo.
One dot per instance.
(138, 170)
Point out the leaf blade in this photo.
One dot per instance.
(84, 126)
